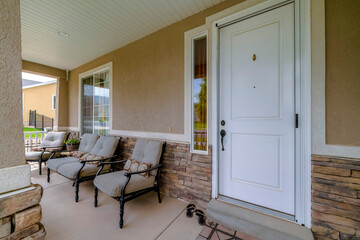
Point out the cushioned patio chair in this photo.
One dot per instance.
(83, 168)
(52, 142)
(127, 185)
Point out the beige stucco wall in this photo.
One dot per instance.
(11, 140)
(40, 99)
(61, 111)
(342, 84)
(148, 79)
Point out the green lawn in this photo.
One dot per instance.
(27, 129)
(199, 126)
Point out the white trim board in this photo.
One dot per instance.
(172, 137)
(303, 54)
(319, 145)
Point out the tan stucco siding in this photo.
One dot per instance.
(342, 84)
(39, 99)
(148, 79)
(12, 140)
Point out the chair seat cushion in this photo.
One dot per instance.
(111, 183)
(54, 139)
(36, 155)
(54, 164)
(70, 170)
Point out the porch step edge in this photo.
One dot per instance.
(255, 223)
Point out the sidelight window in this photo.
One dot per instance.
(199, 94)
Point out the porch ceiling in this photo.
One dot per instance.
(95, 27)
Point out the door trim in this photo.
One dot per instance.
(302, 99)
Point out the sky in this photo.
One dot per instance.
(38, 78)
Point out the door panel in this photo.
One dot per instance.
(257, 103)
(252, 87)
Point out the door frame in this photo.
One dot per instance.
(302, 99)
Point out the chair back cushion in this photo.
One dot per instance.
(105, 146)
(148, 151)
(88, 142)
(54, 139)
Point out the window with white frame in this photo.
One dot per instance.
(53, 102)
(95, 102)
(199, 134)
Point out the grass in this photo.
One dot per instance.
(27, 129)
(199, 126)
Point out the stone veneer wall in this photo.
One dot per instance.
(185, 175)
(335, 198)
(20, 215)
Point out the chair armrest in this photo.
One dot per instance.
(143, 171)
(43, 148)
(64, 150)
(98, 160)
(115, 162)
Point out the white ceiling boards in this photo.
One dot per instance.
(68, 33)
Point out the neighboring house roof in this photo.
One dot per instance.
(38, 84)
(26, 82)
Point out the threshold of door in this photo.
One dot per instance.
(257, 208)
(254, 223)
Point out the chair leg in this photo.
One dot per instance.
(96, 197)
(77, 191)
(40, 166)
(48, 175)
(158, 192)
(121, 223)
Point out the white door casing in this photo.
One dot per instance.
(257, 103)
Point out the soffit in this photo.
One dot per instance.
(95, 27)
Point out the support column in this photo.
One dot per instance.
(20, 213)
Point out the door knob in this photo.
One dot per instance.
(222, 134)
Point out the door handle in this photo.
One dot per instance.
(222, 134)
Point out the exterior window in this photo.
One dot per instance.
(199, 94)
(95, 95)
(53, 103)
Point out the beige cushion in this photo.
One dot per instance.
(111, 183)
(87, 142)
(54, 164)
(148, 151)
(105, 146)
(36, 155)
(70, 170)
(54, 139)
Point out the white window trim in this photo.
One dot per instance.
(190, 38)
(53, 103)
(107, 66)
(303, 31)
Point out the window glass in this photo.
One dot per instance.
(199, 94)
(95, 103)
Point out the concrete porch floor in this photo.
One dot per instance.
(144, 217)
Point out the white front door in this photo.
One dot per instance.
(257, 106)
